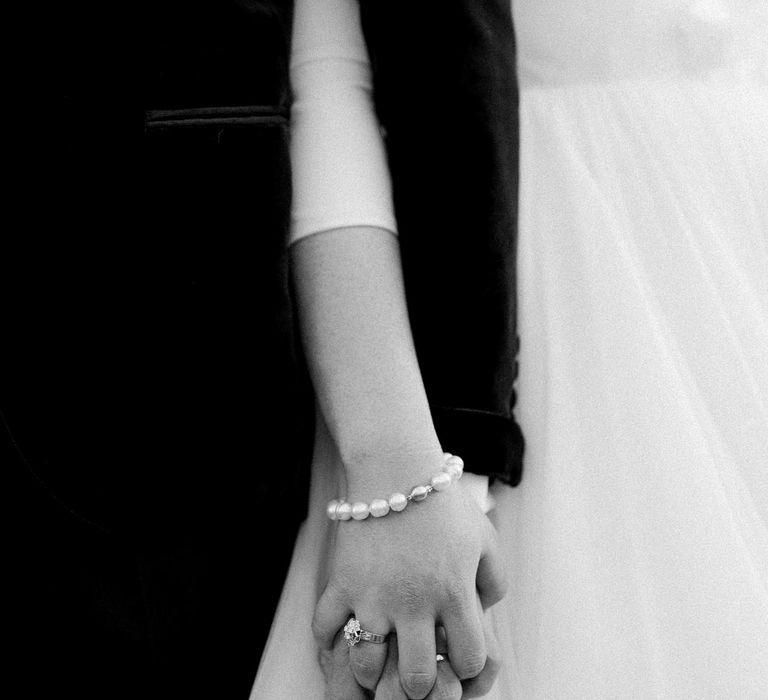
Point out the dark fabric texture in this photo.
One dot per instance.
(154, 361)
(157, 418)
(93, 615)
(446, 95)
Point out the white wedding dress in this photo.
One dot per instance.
(638, 539)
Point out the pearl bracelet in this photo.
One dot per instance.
(453, 468)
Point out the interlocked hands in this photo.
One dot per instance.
(423, 577)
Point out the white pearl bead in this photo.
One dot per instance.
(453, 459)
(398, 501)
(440, 482)
(454, 471)
(331, 509)
(419, 493)
(344, 511)
(360, 511)
(379, 508)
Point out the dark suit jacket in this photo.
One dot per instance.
(158, 412)
(153, 371)
(153, 376)
(155, 401)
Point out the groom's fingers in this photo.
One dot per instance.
(491, 574)
(447, 685)
(340, 684)
(481, 684)
(465, 638)
(389, 687)
(331, 614)
(367, 659)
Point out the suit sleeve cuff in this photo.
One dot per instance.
(490, 444)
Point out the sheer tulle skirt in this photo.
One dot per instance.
(638, 540)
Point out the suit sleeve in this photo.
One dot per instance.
(446, 95)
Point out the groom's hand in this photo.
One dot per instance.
(405, 573)
(341, 683)
(447, 686)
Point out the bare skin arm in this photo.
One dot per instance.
(408, 571)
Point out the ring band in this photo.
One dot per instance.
(441, 657)
(354, 634)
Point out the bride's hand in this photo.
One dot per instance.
(406, 573)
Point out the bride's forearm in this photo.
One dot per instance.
(363, 364)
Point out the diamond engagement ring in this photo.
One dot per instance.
(353, 634)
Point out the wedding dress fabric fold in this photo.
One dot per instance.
(638, 540)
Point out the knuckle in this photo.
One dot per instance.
(418, 683)
(414, 596)
(455, 598)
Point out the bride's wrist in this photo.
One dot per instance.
(372, 472)
(394, 488)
